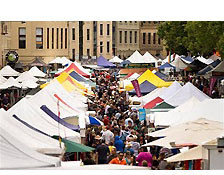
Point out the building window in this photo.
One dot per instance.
(87, 34)
(88, 53)
(61, 38)
(120, 36)
(143, 38)
(22, 38)
(52, 35)
(73, 33)
(130, 36)
(108, 29)
(135, 36)
(57, 36)
(73, 54)
(108, 46)
(66, 37)
(149, 38)
(154, 38)
(101, 46)
(48, 38)
(101, 29)
(39, 38)
(159, 41)
(125, 36)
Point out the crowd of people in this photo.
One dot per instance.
(120, 139)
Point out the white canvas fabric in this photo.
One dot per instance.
(7, 71)
(33, 139)
(166, 93)
(60, 60)
(219, 68)
(152, 95)
(133, 76)
(148, 58)
(136, 57)
(185, 93)
(34, 71)
(11, 82)
(204, 60)
(178, 63)
(37, 118)
(192, 154)
(171, 58)
(29, 84)
(81, 68)
(215, 57)
(115, 59)
(26, 76)
(211, 109)
(195, 132)
(17, 155)
(2, 79)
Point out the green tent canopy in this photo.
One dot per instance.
(74, 147)
(164, 105)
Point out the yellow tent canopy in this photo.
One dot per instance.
(150, 77)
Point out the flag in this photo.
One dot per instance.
(137, 88)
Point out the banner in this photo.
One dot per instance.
(142, 114)
(137, 88)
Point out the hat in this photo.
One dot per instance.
(98, 137)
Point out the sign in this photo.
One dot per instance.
(12, 57)
(142, 114)
(137, 88)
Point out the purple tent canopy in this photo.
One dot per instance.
(145, 87)
(101, 61)
(61, 121)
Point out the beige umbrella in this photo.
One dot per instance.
(190, 133)
(192, 154)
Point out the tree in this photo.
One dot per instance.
(196, 37)
(173, 33)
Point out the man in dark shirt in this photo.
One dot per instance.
(112, 155)
(102, 151)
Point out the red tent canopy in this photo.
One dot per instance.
(153, 103)
(74, 67)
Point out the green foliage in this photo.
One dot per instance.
(196, 37)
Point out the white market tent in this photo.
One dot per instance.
(34, 71)
(136, 57)
(204, 60)
(169, 91)
(35, 117)
(11, 82)
(178, 63)
(133, 76)
(2, 79)
(115, 59)
(148, 58)
(171, 58)
(195, 132)
(26, 76)
(29, 84)
(185, 93)
(211, 109)
(33, 139)
(16, 155)
(195, 153)
(215, 57)
(7, 71)
(82, 68)
(218, 68)
(152, 95)
(60, 60)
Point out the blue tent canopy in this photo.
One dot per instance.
(187, 59)
(209, 67)
(56, 118)
(125, 62)
(166, 65)
(101, 61)
(93, 121)
(76, 76)
(145, 87)
(161, 75)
